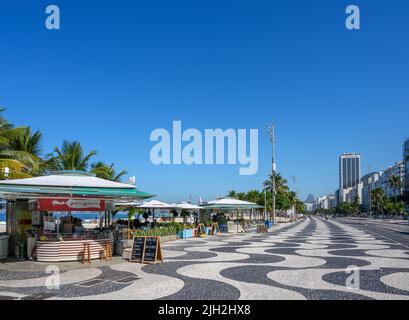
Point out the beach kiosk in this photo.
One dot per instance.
(32, 205)
(232, 205)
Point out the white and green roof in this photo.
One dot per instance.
(79, 184)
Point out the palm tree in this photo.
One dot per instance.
(292, 200)
(71, 156)
(356, 206)
(241, 195)
(19, 158)
(28, 144)
(232, 194)
(280, 183)
(378, 200)
(396, 184)
(104, 171)
(400, 207)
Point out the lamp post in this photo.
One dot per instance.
(271, 132)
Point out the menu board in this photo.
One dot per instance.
(146, 250)
(137, 249)
(151, 246)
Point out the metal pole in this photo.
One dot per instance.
(271, 132)
(295, 204)
(370, 191)
(265, 204)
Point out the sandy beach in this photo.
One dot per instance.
(2, 228)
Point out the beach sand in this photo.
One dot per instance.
(2, 228)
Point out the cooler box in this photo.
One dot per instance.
(269, 224)
(185, 234)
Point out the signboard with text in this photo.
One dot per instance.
(70, 204)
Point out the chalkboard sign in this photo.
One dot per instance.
(137, 249)
(146, 250)
(150, 249)
(215, 229)
(201, 231)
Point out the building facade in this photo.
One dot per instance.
(397, 170)
(369, 182)
(406, 165)
(325, 202)
(349, 175)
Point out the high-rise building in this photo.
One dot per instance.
(406, 164)
(369, 183)
(397, 170)
(349, 174)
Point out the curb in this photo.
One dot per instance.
(394, 230)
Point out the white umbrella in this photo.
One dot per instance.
(156, 204)
(188, 206)
(233, 203)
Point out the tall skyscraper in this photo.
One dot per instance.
(349, 173)
(406, 164)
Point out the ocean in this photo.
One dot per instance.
(86, 217)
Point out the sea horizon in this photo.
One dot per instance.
(88, 216)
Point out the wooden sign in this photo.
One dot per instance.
(146, 250)
(201, 231)
(215, 229)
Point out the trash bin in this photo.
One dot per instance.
(119, 248)
(4, 246)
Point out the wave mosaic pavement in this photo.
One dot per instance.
(304, 260)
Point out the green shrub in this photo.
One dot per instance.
(161, 230)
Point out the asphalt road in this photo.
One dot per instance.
(398, 233)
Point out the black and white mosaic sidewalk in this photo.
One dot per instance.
(305, 260)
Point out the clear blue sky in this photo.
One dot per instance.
(119, 69)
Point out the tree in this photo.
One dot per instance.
(280, 183)
(292, 200)
(396, 184)
(131, 214)
(241, 196)
(232, 194)
(184, 214)
(28, 144)
(389, 207)
(104, 171)
(345, 208)
(378, 200)
(71, 156)
(19, 149)
(356, 206)
(300, 206)
(400, 207)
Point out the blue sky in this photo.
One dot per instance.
(119, 69)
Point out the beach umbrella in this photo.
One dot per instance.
(156, 204)
(188, 206)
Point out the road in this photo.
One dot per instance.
(312, 259)
(393, 231)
